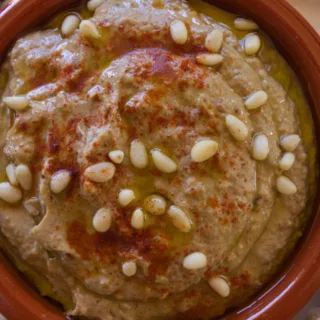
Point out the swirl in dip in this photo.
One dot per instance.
(154, 167)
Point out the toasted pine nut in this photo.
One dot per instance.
(237, 128)
(9, 193)
(260, 149)
(290, 142)
(155, 204)
(125, 197)
(60, 181)
(100, 172)
(214, 41)
(138, 154)
(194, 261)
(256, 100)
(70, 25)
(116, 156)
(209, 59)
(102, 220)
(204, 150)
(252, 44)
(129, 268)
(17, 103)
(24, 176)
(179, 32)
(287, 161)
(89, 30)
(245, 25)
(179, 219)
(163, 162)
(137, 219)
(220, 285)
(286, 186)
(11, 174)
(94, 4)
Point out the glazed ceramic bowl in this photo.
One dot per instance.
(300, 45)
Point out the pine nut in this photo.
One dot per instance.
(214, 41)
(129, 268)
(245, 25)
(125, 197)
(70, 25)
(137, 219)
(100, 172)
(94, 4)
(260, 148)
(179, 32)
(163, 162)
(9, 193)
(194, 261)
(209, 59)
(286, 186)
(155, 204)
(237, 128)
(252, 44)
(102, 220)
(11, 174)
(17, 103)
(220, 285)
(60, 181)
(179, 219)
(290, 142)
(116, 156)
(138, 154)
(204, 150)
(89, 30)
(24, 176)
(287, 161)
(256, 100)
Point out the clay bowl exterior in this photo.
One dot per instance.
(300, 45)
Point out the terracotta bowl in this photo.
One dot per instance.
(300, 44)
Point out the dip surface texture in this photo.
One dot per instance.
(165, 183)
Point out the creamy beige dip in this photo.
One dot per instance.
(144, 100)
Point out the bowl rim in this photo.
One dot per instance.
(294, 287)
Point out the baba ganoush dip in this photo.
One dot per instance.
(153, 165)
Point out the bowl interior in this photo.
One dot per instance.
(300, 44)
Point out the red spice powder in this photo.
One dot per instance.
(118, 242)
(241, 280)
